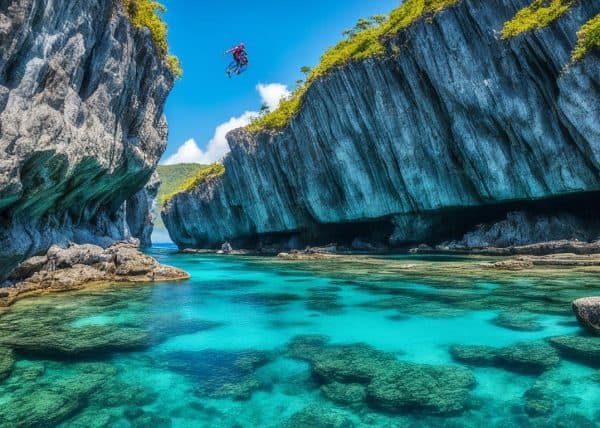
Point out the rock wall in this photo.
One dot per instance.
(81, 124)
(453, 119)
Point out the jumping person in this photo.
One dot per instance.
(240, 62)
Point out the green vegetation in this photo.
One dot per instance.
(542, 13)
(184, 177)
(147, 13)
(588, 38)
(538, 14)
(173, 176)
(363, 41)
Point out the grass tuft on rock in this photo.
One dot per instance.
(588, 38)
(365, 42)
(148, 14)
(538, 14)
(203, 174)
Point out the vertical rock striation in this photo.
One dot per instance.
(81, 124)
(453, 119)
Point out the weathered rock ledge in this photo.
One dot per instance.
(82, 265)
(537, 249)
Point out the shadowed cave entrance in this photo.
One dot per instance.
(445, 225)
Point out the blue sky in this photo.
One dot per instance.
(281, 36)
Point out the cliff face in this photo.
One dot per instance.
(452, 120)
(81, 124)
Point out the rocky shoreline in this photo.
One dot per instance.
(82, 266)
(552, 253)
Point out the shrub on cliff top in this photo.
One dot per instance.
(203, 174)
(588, 38)
(538, 14)
(147, 13)
(364, 41)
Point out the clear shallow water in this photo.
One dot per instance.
(230, 348)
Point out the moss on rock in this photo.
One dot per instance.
(539, 14)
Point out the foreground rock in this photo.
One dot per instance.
(74, 267)
(587, 311)
(82, 93)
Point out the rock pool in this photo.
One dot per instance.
(359, 341)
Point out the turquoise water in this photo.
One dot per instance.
(262, 342)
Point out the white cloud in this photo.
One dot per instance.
(189, 152)
(217, 147)
(272, 93)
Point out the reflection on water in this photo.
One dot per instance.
(402, 341)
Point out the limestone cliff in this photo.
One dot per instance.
(452, 125)
(81, 124)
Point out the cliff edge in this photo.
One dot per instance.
(452, 127)
(81, 125)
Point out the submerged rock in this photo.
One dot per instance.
(527, 357)
(474, 355)
(349, 363)
(349, 394)
(53, 398)
(84, 341)
(306, 347)
(585, 349)
(587, 311)
(7, 360)
(517, 321)
(359, 374)
(317, 416)
(538, 402)
(220, 374)
(431, 389)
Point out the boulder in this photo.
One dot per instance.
(226, 248)
(587, 311)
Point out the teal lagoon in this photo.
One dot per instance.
(361, 341)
